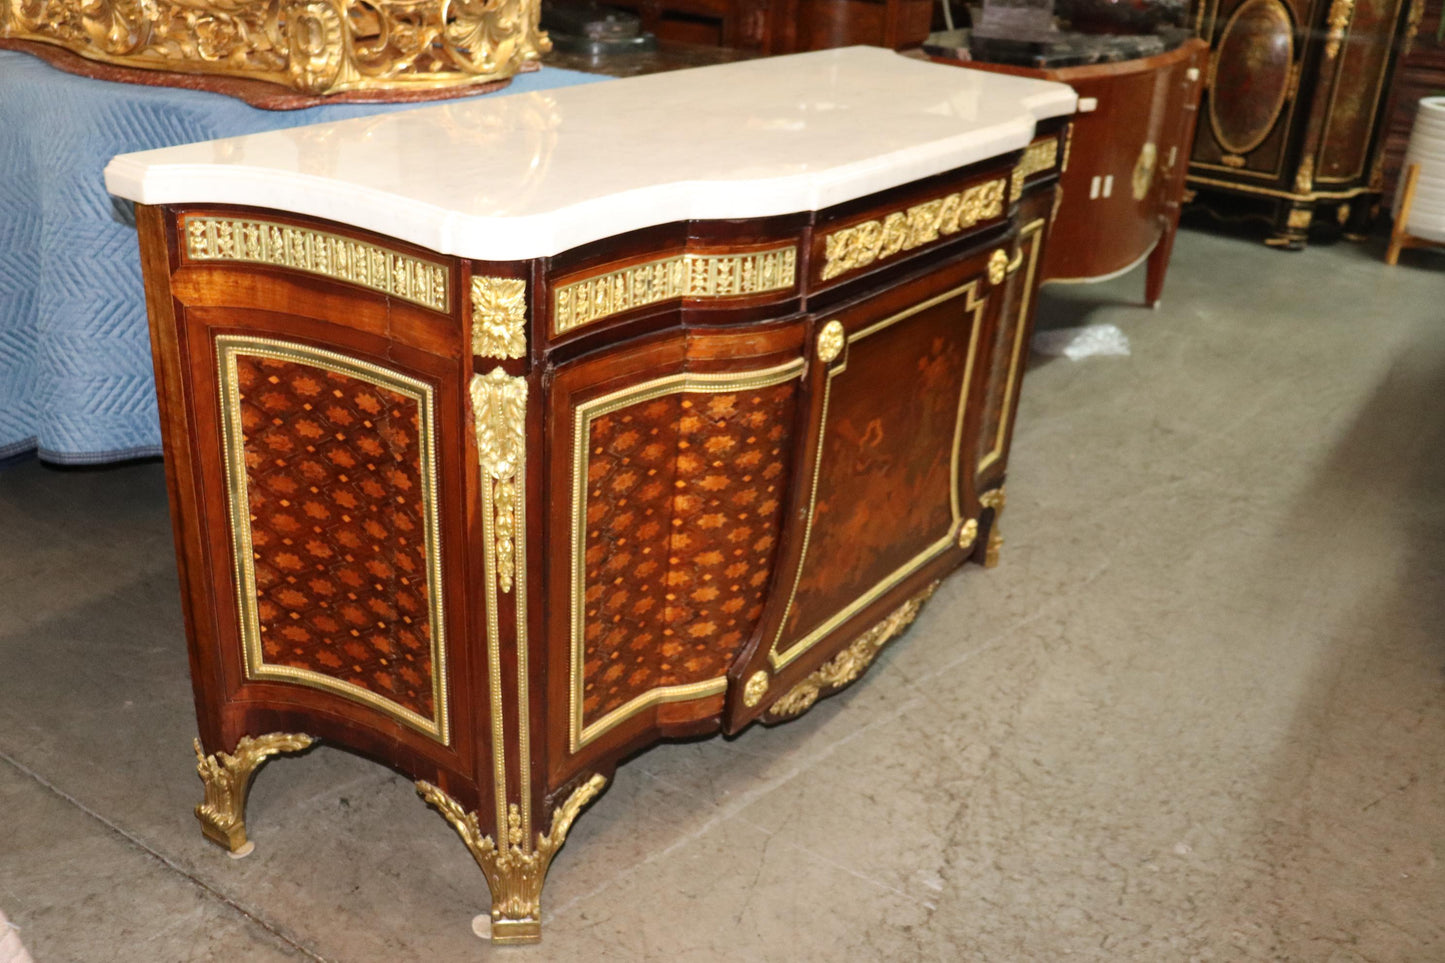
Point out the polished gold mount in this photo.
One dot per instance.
(313, 46)
(830, 341)
(756, 688)
(854, 247)
(968, 534)
(327, 255)
(516, 870)
(227, 778)
(499, 317)
(849, 664)
(694, 276)
(993, 499)
(998, 265)
(1038, 157)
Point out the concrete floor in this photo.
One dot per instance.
(1196, 714)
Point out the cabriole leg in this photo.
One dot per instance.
(227, 778)
(515, 871)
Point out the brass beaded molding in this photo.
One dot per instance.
(858, 246)
(321, 253)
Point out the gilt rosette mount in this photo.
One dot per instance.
(284, 54)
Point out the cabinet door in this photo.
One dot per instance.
(1249, 106)
(323, 425)
(885, 481)
(671, 466)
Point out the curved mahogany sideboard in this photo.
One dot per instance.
(501, 492)
(1124, 164)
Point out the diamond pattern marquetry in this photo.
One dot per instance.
(685, 500)
(337, 528)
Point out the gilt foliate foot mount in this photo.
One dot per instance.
(371, 50)
(538, 466)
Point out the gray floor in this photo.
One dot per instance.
(1196, 714)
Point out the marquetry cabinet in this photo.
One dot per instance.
(1293, 112)
(502, 497)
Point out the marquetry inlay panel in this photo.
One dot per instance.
(318, 252)
(700, 276)
(861, 244)
(680, 493)
(332, 488)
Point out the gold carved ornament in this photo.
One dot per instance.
(227, 780)
(756, 688)
(998, 266)
(320, 253)
(312, 46)
(695, 276)
(830, 341)
(995, 500)
(1038, 157)
(861, 244)
(849, 664)
(516, 869)
(1339, 19)
(499, 317)
(1143, 176)
(499, 404)
(967, 533)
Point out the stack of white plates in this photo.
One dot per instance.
(1427, 149)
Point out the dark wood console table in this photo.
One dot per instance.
(497, 464)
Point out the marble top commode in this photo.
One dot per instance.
(532, 175)
(684, 395)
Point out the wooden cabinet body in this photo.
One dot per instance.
(500, 523)
(785, 26)
(1293, 111)
(1122, 180)
(1421, 73)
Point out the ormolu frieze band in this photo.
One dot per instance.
(680, 276)
(860, 245)
(1040, 156)
(317, 252)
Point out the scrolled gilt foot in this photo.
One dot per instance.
(994, 499)
(849, 664)
(515, 871)
(227, 778)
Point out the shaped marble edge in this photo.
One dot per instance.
(531, 175)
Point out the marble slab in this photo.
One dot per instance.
(531, 175)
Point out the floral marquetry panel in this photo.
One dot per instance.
(685, 497)
(337, 477)
(886, 496)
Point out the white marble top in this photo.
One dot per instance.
(531, 175)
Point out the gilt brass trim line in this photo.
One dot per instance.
(499, 413)
(1032, 231)
(859, 245)
(1279, 192)
(692, 276)
(366, 265)
(580, 734)
(242, 552)
(778, 659)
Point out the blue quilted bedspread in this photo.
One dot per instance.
(75, 368)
